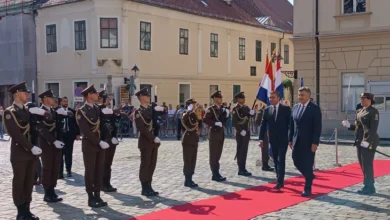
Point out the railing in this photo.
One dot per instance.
(12, 7)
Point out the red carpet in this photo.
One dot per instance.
(249, 203)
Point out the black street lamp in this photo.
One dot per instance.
(135, 70)
(132, 86)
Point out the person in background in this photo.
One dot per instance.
(171, 121)
(1, 124)
(229, 125)
(179, 116)
(265, 149)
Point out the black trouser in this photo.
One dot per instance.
(179, 125)
(67, 153)
(242, 150)
(156, 129)
(303, 159)
(366, 160)
(38, 173)
(279, 156)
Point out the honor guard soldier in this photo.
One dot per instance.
(366, 139)
(189, 142)
(49, 128)
(147, 143)
(108, 132)
(88, 119)
(24, 155)
(241, 119)
(215, 118)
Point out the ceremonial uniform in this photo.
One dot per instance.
(49, 139)
(88, 119)
(147, 145)
(189, 142)
(366, 141)
(241, 122)
(16, 119)
(215, 118)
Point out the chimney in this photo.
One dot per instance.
(228, 2)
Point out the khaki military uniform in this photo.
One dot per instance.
(189, 142)
(241, 122)
(366, 127)
(88, 119)
(17, 122)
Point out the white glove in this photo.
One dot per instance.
(104, 145)
(252, 112)
(346, 124)
(219, 124)
(59, 144)
(365, 144)
(190, 107)
(159, 108)
(107, 111)
(62, 111)
(36, 111)
(243, 133)
(157, 140)
(36, 150)
(114, 141)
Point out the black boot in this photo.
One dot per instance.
(244, 172)
(99, 200)
(145, 189)
(189, 183)
(217, 177)
(49, 197)
(368, 190)
(108, 188)
(55, 196)
(151, 189)
(32, 216)
(22, 213)
(92, 201)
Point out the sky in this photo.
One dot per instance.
(292, 1)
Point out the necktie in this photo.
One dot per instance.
(301, 111)
(274, 113)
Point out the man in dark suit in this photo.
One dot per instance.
(304, 137)
(276, 118)
(70, 133)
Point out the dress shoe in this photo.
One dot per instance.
(268, 169)
(367, 190)
(109, 188)
(306, 193)
(99, 200)
(190, 184)
(152, 190)
(218, 178)
(28, 212)
(278, 186)
(54, 194)
(244, 173)
(69, 174)
(146, 191)
(22, 213)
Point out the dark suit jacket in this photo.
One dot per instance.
(74, 129)
(306, 130)
(277, 130)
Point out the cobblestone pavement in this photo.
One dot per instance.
(168, 179)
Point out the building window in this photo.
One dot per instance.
(183, 41)
(214, 45)
(51, 38)
(145, 36)
(241, 48)
(357, 87)
(80, 38)
(354, 6)
(286, 54)
(108, 33)
(258, 50)
(253, 71)
(273, 47)
(55, 87)
(213, 88)
(236, 89)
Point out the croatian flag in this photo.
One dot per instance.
(266, 85)
(278, 78)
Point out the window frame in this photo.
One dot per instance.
(286, 57)
(46, 86)
(241, 48)
(258, 56)
(255, 70)
(362, 86)
(235, 92)
(215, 43)
(354, 8)
(75, 23)
(185, 39)
(144, 48)
(109, 29)
(47, 35)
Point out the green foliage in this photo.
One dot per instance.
(287, 84)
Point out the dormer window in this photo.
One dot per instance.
(353, 6)
(266, 21)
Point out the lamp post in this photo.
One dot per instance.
(132, 86)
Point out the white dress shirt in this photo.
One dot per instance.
(304, 107)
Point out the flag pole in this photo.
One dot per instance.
(269, 62)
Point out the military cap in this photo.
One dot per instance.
(368, 95)
(142, 92)
(240, 95)
(103, 94)
(190, 101)
(216, 94)
(48, 93)
(21, 87)
(90, 89)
